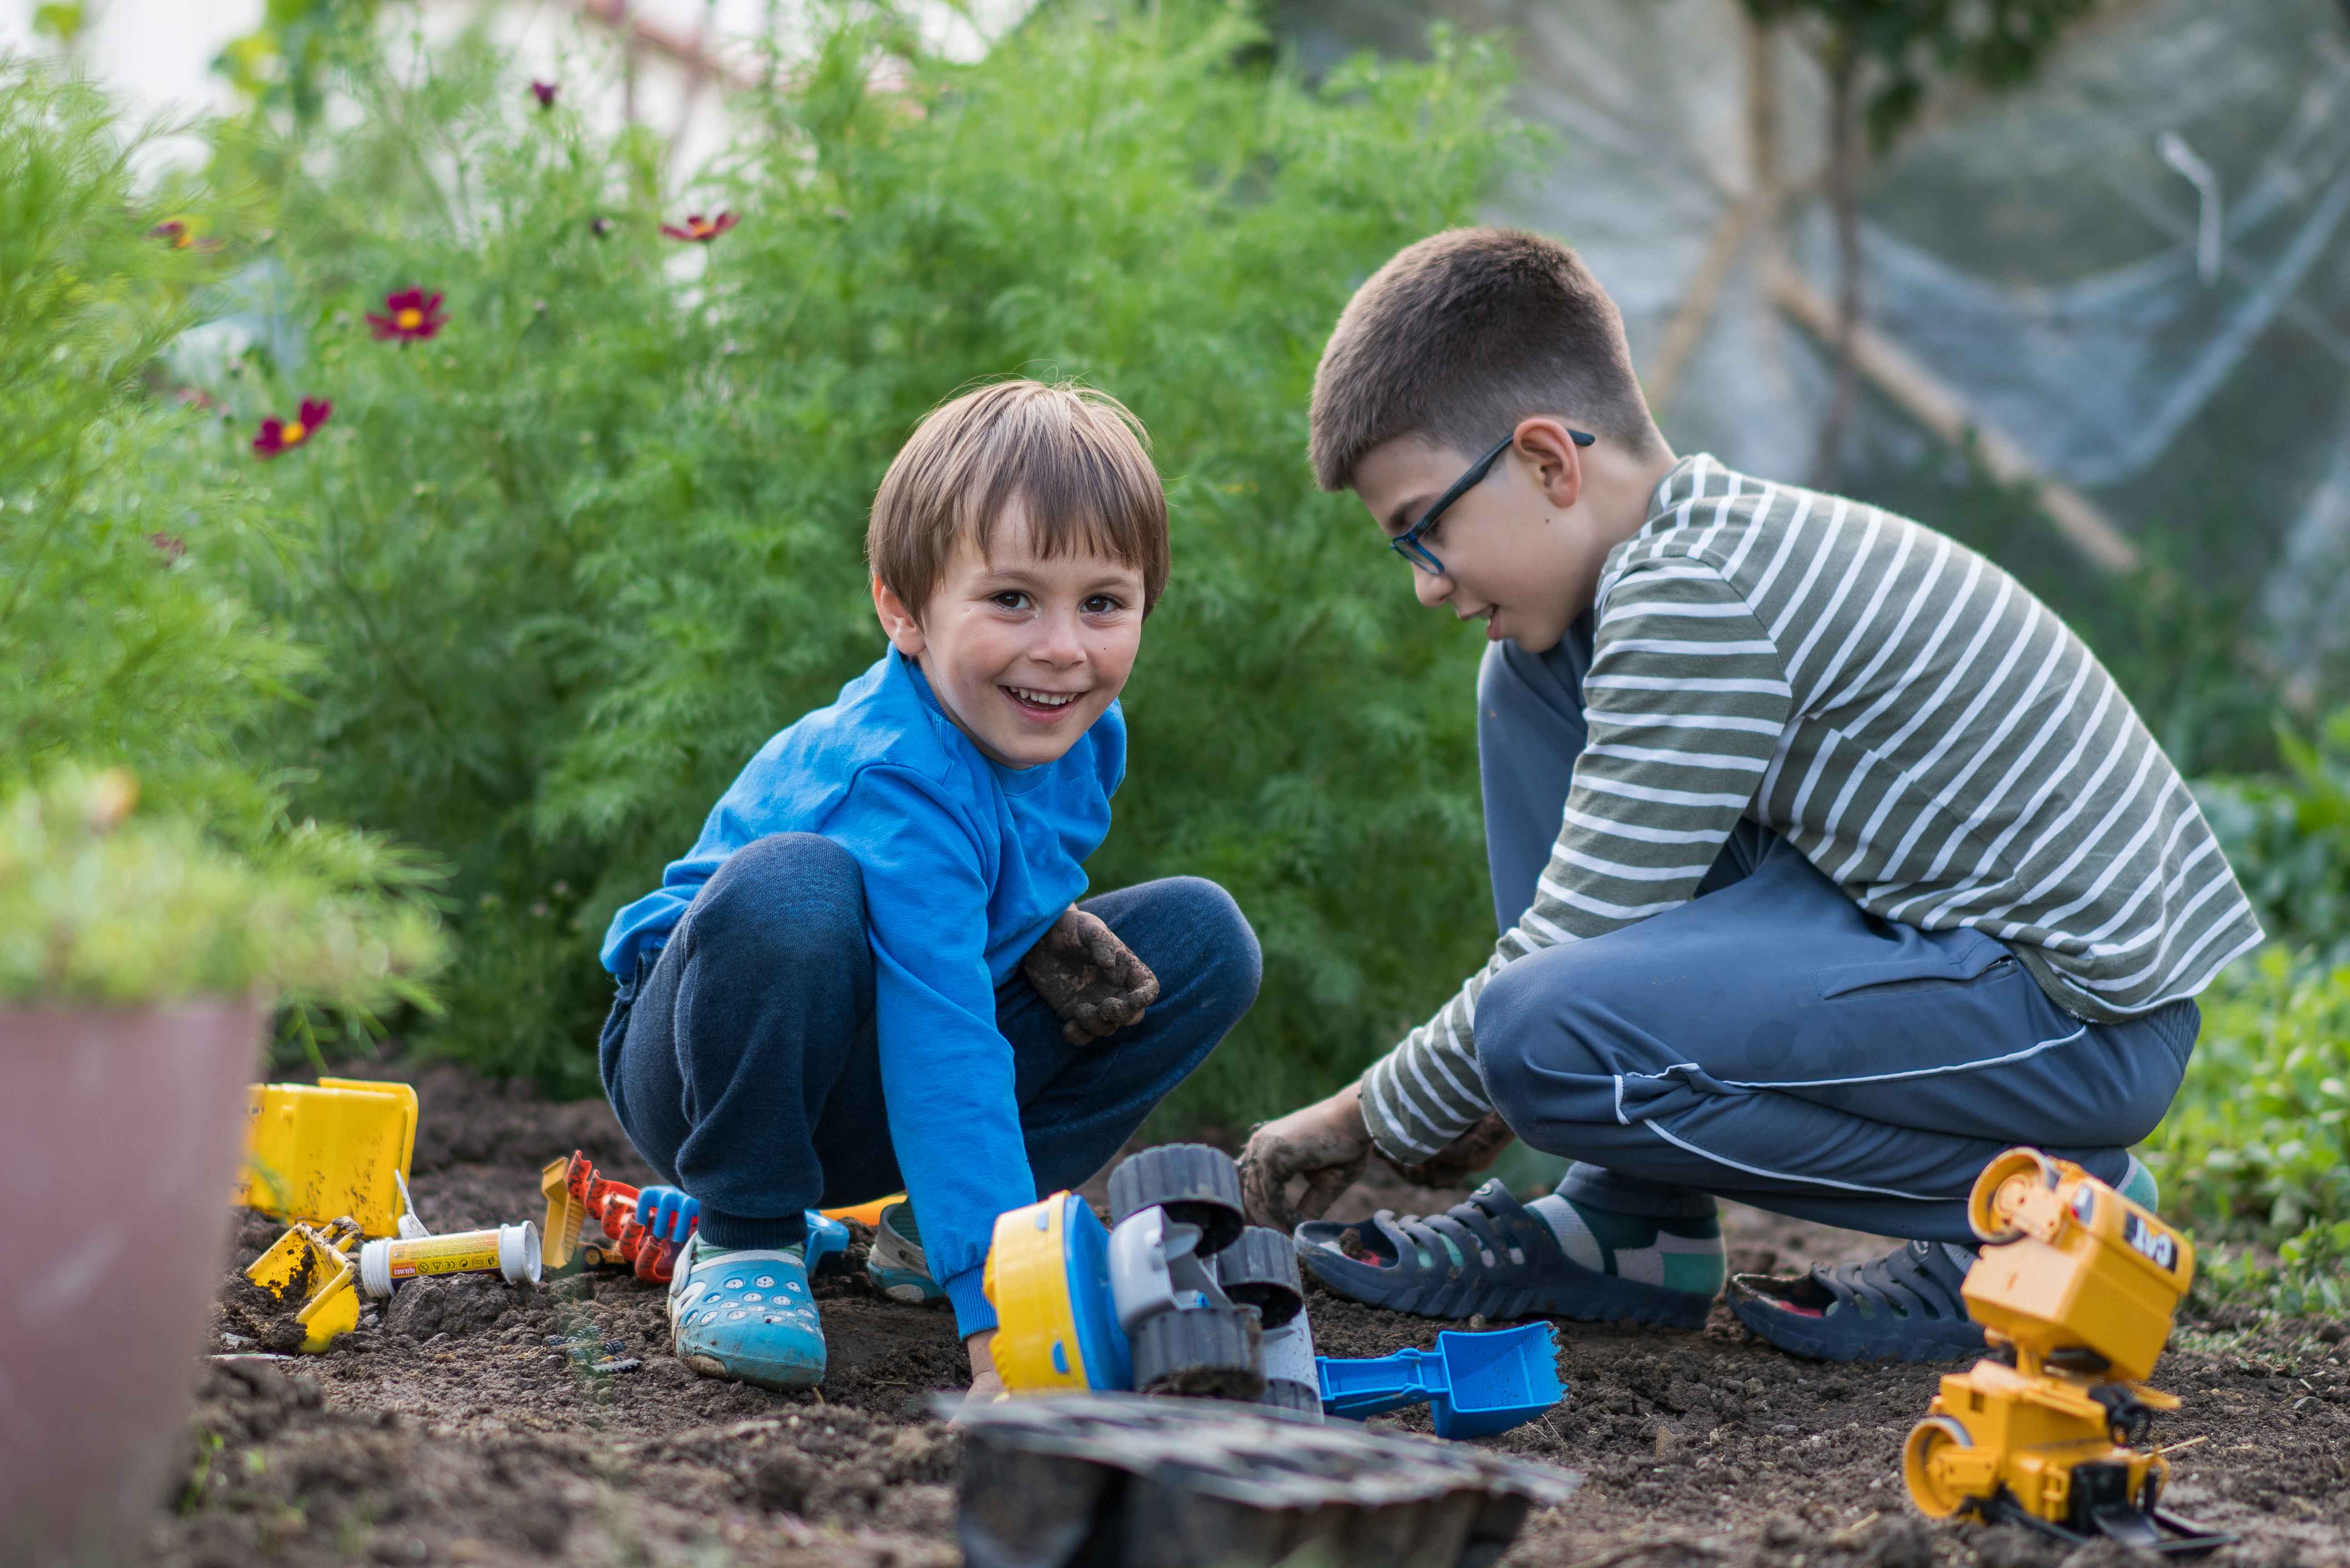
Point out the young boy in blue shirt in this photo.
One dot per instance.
(870, 973)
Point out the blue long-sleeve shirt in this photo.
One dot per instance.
(966, 864)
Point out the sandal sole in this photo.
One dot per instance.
(1826, 1339)
(1585, 1298)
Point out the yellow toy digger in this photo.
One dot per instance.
(2075, 1288)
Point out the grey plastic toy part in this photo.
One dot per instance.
(1260, 1270)
(1204, 1353)
(1155, 1266)
(1195, 1184)
(1287, 1356)
(1098, 1479)
(1297, 1398)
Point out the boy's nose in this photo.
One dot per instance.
(1059, 642)
(1433, 587)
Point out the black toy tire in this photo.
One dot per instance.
(1260, 1270)
(1201, 1352)
(1195, 1184)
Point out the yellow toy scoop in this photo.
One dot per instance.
(309, 1263)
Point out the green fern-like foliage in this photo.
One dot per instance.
(116, 641)
(124, 638)
(97, 905)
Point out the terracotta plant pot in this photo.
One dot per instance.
(120, 1131)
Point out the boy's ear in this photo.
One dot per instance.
(1555, 460)
(905, 632)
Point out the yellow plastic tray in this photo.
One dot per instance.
(341, 1148)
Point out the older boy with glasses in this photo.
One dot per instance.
(1827, 861)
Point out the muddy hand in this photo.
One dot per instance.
(1090, 979)
(1325, 1143)
(1473, 1151)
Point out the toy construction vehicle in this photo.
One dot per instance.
(1181, 1296)
(643, 1228)
(2076, 1288)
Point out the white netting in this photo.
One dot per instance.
(2036, 252)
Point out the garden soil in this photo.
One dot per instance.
(446, 1430)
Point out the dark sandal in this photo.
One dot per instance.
(1903, 1306)
(1502, 1261)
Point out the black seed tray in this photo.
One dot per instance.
(1090, 1480)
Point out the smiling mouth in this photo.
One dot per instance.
(1041, 703)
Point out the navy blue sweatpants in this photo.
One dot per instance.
(1768, 1041)
(742, 1063)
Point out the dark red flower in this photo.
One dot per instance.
(279, 435)
(170, 546)
(698, 229)
(179, 235)
(545, 92)
(411, 314)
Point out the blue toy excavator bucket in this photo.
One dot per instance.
(1499, 1380)
(1475, 1384)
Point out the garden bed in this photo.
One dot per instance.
(450, 1431)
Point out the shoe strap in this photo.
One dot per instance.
(1486, 1229)
(748, 1256)
(1905, 1280)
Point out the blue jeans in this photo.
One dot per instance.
(742, 1063)
(1769, 1041)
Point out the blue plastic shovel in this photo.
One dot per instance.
(1475, 1385)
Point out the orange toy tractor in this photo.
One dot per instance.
(2076, 1288)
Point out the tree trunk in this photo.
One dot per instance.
(1844, 202)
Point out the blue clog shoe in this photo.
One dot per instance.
(746, 1315)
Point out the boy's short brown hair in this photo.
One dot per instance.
(1461, 335)
(1076, 459)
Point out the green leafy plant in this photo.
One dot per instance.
(97, 905)
(117, 641)
(123, 639)
(2256, 1150)
(2288, 837)
(570, 562)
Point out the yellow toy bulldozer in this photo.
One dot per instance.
(2075, 1287)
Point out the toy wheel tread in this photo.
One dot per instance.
(1260, 1270)
(1201, 1352)
(1195, 1184)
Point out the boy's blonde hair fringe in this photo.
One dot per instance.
(1076, 459)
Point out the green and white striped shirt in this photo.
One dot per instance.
(1927, 734)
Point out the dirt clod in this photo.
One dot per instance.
(433, 1309)
(783, 1482)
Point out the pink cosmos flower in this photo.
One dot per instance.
(282, 435)
(698, 229)
(412, 314)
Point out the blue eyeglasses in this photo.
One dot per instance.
(1407, 544)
